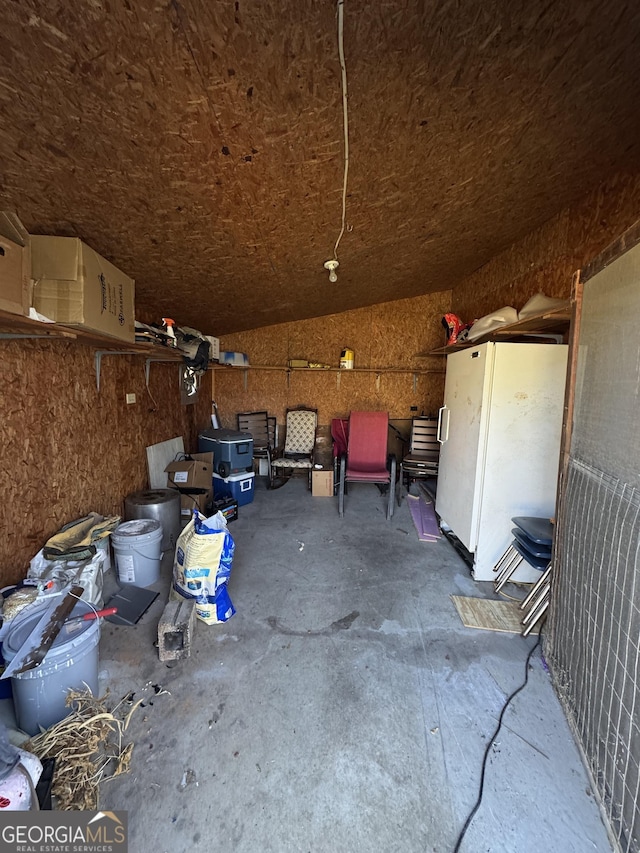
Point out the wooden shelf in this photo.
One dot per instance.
(17, 327)
(328, 370)
(556, 321)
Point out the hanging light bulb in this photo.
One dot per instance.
(332, 266)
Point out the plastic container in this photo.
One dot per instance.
(238, 486)
(39, 695)
(137, 548)
(346, 359)
(232, 450)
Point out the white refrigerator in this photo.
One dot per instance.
(499, 431)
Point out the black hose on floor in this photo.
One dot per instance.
(473, 811)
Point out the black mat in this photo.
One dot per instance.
(132, 602)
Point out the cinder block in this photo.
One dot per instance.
(175, 629)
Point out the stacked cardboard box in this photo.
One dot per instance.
(76, 286)
(15, 265)
(193, 478)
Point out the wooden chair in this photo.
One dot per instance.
(299, 444)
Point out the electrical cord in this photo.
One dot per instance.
(515, 598)
(345, 121)
(83, 600)
(513, 695)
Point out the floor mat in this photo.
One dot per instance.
(424, 518)
(490, 615)
(132, 602)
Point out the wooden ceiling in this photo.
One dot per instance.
(199, 143)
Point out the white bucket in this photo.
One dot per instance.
(40, 694)
(137, 547)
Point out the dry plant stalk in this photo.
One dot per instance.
(88, 749)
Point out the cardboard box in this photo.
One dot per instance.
(15, 265)
(322, 483)
(191, 474)
(76, 286)
(197, 500)
(214, 350)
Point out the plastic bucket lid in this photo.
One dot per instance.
(71, 643)
(139, 530)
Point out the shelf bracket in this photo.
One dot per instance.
(147, 367)
(98, 360)
(415, 382)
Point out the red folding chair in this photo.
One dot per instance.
(340, 435)
(366, 459)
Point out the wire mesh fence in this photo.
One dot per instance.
(595, 636)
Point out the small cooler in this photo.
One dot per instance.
(232, 451)
(237, 486)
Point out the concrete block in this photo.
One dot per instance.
(175, 629)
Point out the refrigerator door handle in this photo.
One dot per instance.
(439, 430)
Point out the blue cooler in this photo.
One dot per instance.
(237, 486)
(232, 451)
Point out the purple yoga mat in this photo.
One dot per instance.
(424, 518)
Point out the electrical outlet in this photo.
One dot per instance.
(413, 409)
(131, 398)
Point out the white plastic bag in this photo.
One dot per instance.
(57, 574)
(490, 322)
(538, 304)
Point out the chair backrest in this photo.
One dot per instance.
(257, 423)
(271, 430)
(340, 435)
(423, 437)
(301, 431)
(368, 437)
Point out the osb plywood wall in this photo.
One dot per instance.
(67, 449)
(546, 258)
(385, 339)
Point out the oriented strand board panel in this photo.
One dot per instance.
(198, 144)
(384, 338)
(546, 259)
(66, 449)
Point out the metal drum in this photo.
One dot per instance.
(162, 505)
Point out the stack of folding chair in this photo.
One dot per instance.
(532, 542)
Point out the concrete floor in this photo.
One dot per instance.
(344, 707)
